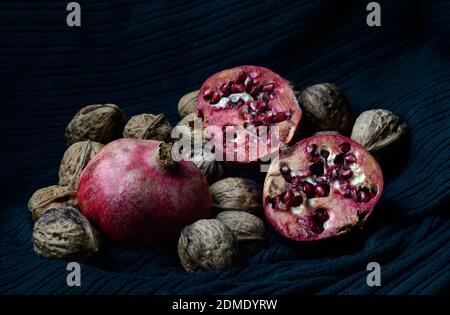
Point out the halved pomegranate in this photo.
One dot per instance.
(321, 187)
(248, 97)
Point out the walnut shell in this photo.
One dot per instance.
(100, 122)
(211, 169)
(149, 127)
(51, 197)
(64, 233)
(75, 159)
(206, 245)
(377, 128)
(235, 193)
(327, 108)
(248, 230)
(187, 126)
(186, 105)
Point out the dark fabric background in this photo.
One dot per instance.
(144, 55)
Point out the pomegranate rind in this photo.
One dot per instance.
(130, 199)
(343, 214)
(285, 101)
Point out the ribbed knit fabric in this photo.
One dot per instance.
(144, 55)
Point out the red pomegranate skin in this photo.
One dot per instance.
(126, 194)
(283, 101)
(333, 214)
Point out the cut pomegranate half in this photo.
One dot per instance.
(321, 187)
(248, 97)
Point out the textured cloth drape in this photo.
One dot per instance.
(144, 55)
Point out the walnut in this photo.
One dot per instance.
(327, 108)
(194, 125)
(186, 105)
(235, 193)
(75, 159)
(64, 233)
(100, 122)
(206, 245)
(377, 128)
(191, 127)
(211, 169)
(248, 230)
(51, 197)
(148, 126)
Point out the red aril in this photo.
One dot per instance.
(248, 96)
(337, 181)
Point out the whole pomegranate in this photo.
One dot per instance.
(135, 194)
(321, 187)
(248, 97)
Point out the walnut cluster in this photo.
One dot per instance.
(217, 243)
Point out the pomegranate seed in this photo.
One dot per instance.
(242, 77)
(267, 118)
(207, 94)
(279, 117)
(316, 168)
(308, 188)
(269, 87)
(350, 158)
(297, 201)
(226, 89)
(257, 121)
(254, 90)
(348, 193)
(363, 196)
(296, 182)
(237, 88)
(253, 105)
(317, 219)
(325, 153)
(321, 179)
(321, 191)
(355, 195)
(215, 98)
(311, 148)
(314, 158)
(287, 197)
(278, 202)
(321, 215)
(287, 177)
(346, 173)
(250, 84)
(229, 104)
(262, 105)
(344, 184)
(339, 159)
(345, 147)
(284, 169)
